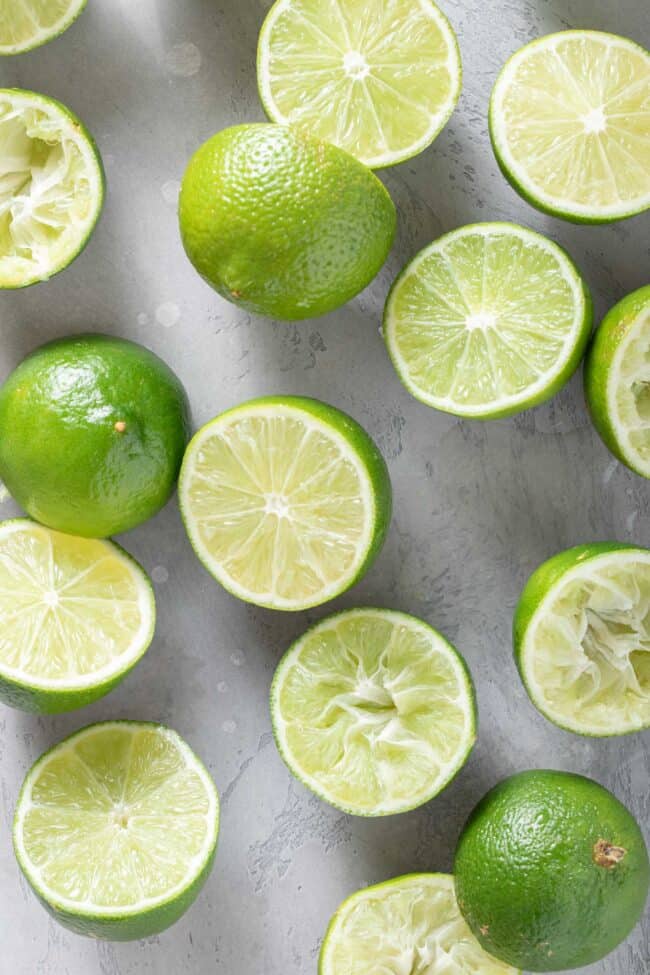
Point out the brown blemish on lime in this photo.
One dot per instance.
(236, 294)
(120, 426)
(484, 929)
(607, 855)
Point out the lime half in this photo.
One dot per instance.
(374, 711)
(52, 190)
(116, 829)
(569, 122)
(26, 24)
(408, 925)
(378, 79)
(582, 639)
(488, 320)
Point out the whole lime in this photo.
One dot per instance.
(92, 434)
(551, 871)
(281, 223)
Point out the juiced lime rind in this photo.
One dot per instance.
(353, 440)
(389, 158)
(95, 171)
(442, 645)
(539, 592)
(602, 365)
(547, 387)
(127, 924)
(41, 37)
(565, 210)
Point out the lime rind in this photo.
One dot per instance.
(36, 34)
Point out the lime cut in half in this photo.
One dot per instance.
(374, 711)
(26, 24)
(488, 320)
(52, 190)
(116, 829)
(408, 925)
(617, 380)
(75, 617)
(286, 501)
(582, 639)
(570, 125)
(378, 79)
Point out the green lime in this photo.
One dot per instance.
(408, 925)
(52, 189)
(617, 380)
(488, 320)
(379, 80)
(286, 501)
(281, 223)
(76, 615)
(374, 711)
(92, 434)
(551, 871)
(569, 125)
(26, 24)
(582, 638)
(116, 829)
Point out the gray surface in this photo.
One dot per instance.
(477, 506)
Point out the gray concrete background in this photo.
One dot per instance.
(477, 507)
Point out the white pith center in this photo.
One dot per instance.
(480, 319)
(277, 504)
(51, 598)
(355, 65)
(595, 121)
(120, 817)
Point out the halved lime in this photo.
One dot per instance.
(569, 122)
(377, 79)
(374, 711)
(617, 380)
(75, 617)
(582, 638)
(26, 24)
(286, 501)
(408, 925)
(488, 320)
(52, 190)
(116, 829)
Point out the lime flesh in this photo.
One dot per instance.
(26, 24)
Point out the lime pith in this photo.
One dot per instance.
(26, 24)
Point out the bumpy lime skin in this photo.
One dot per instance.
(92, 434)
(283, 224)
(527, 880)
(598, 364)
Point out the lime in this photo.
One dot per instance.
(551, 871)
(408, 925)
(487, 321)
(374, 711)
(569, 124)
(281, 223)
(116, 829)
(52, 190)
(378, 79)
(76, 615)
(26, 24)
(617, 380)
(582, 638)
(286, 501)
(92, 434)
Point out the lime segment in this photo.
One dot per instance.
(26, 24)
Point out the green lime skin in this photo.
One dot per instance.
(598, 367)
(551, 871)
(92, 434)
(283, 224)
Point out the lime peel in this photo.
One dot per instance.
(27, 24)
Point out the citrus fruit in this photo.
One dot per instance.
(92, 434)
(551, 871)
(53, 189)
(410, 924)
(26, 24)
(281, 223)
(617, 380)
(286, 501)
(582, 638)
(374, 711)
(116, 829)
(569, 124)
(488, 320)
(76, 615)
(378, 79)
